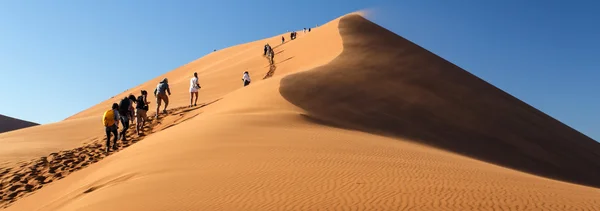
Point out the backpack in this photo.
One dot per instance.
(141, 104)
(124, 106)
(109, 118)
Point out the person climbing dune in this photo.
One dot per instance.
(110, 119)
(125, 107)
(141, 110)
(194, 87)
(161, 95)
(246, 78)
(265, 49)
(271, 57)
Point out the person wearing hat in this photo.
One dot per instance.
(194, 87)
(161, 95)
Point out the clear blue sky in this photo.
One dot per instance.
(62, 55)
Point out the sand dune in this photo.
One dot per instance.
(421, 97)
(307, 139)
(9, 124)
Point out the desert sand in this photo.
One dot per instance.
(9, 124)
(353, 117)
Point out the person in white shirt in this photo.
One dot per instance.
(194, 87)
(246, 78)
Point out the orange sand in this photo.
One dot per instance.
(272, 146)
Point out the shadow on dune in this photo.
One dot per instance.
(385, 84)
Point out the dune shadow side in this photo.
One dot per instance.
(382, 83)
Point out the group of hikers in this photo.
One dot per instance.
(293, 35)
(124, 112)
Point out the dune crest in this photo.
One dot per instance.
(383, 83)
(272, 145)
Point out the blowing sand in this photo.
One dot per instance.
(340, 123)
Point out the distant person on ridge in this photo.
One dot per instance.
(308, 29)
(161, 95)
(111, 122)
(304, 30)
(125, 113)
(194, 87)
(141, 112)
(246, 78)
(282, 39)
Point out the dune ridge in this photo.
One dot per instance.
(269, 146)
(409, 92)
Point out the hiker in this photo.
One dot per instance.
(246, 78)
(282, 39)
(194, 87)
(265, 49)
(111, 125)
(308, 29)
(292, 36)
(304, 30)
(271, 56)
(132, 110)
(125, 113)
(161, 95)
(141, 111)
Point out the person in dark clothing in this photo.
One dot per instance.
(271, 57)
(141, 109)
(308, 29)
(125, 114)
(282, 39)
(266, 49)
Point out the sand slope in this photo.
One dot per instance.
(8, 124)
(386, 84)
(266, 146)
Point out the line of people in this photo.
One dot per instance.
(124, 112)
